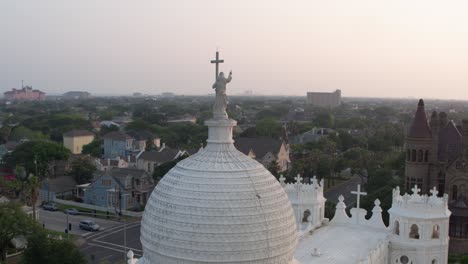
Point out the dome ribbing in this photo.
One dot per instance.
(218, 206)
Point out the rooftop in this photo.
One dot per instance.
(78, 133)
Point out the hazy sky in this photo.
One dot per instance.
(397, 48)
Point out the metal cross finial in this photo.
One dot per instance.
(358, 193)
(434, 191)
(217, 61)
(415, 190)
(298, 178)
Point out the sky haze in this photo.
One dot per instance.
(365, 48)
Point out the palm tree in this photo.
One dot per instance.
(33, 185)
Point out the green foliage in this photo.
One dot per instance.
(164, 168)
(275, 113)
(42, 249)
(82, 170)
(182, 135)
(21, 132)
(36, 155)
(94, 148)
(57, 124)
(325, 119)
(13, 222)
(274, 169)
(268, 127)
(5, 133)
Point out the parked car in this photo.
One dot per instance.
(72, 211)
(50, 207)
(89, 225)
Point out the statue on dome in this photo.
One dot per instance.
(219, 109)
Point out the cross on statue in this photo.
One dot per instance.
(358, 193)
(415, 190)
(434, 191)
(217, 61)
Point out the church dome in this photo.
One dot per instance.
(218, 206)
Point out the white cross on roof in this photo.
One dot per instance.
(358, 193)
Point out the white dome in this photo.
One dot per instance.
(218, 206)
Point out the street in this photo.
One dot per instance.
(108, 246)
(57, 221)
(104, 246)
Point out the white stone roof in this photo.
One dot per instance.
(342, 244)
(218, 206)
(419, 206)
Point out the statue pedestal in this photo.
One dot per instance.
(220, 130)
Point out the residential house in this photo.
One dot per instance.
(149, 160)
(117, 144)
(74, 140)
(265, 150)
(57, 188)
(120, 144)
(120, 188)
(313, 135)
(107, 164)
(141, 138)
(108, 123)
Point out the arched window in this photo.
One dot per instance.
(426, 156)
(404, 260)
(413, 155)
(420, 156)
(454, 192)
(435, 231)
(305, 216)
(414, 231)
(408, 155)
(435, 261)
(396, 228)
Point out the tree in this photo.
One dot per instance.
(5, 133)
(94, 148)
(32, 192)
(13, 222)
(274, 169)
(164, 168)
(268, 127)
(82, 170)
(43, 249)
(35, 156)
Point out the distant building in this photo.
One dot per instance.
(76, 95)
(328, 100)
(120, 144)
(436, 156)
(74, 140)
(117, 144)
(25, 94)
(184, 119)
(149, 160)
(120, 188)
(313, 135)
(167, 94)
(265, 150)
